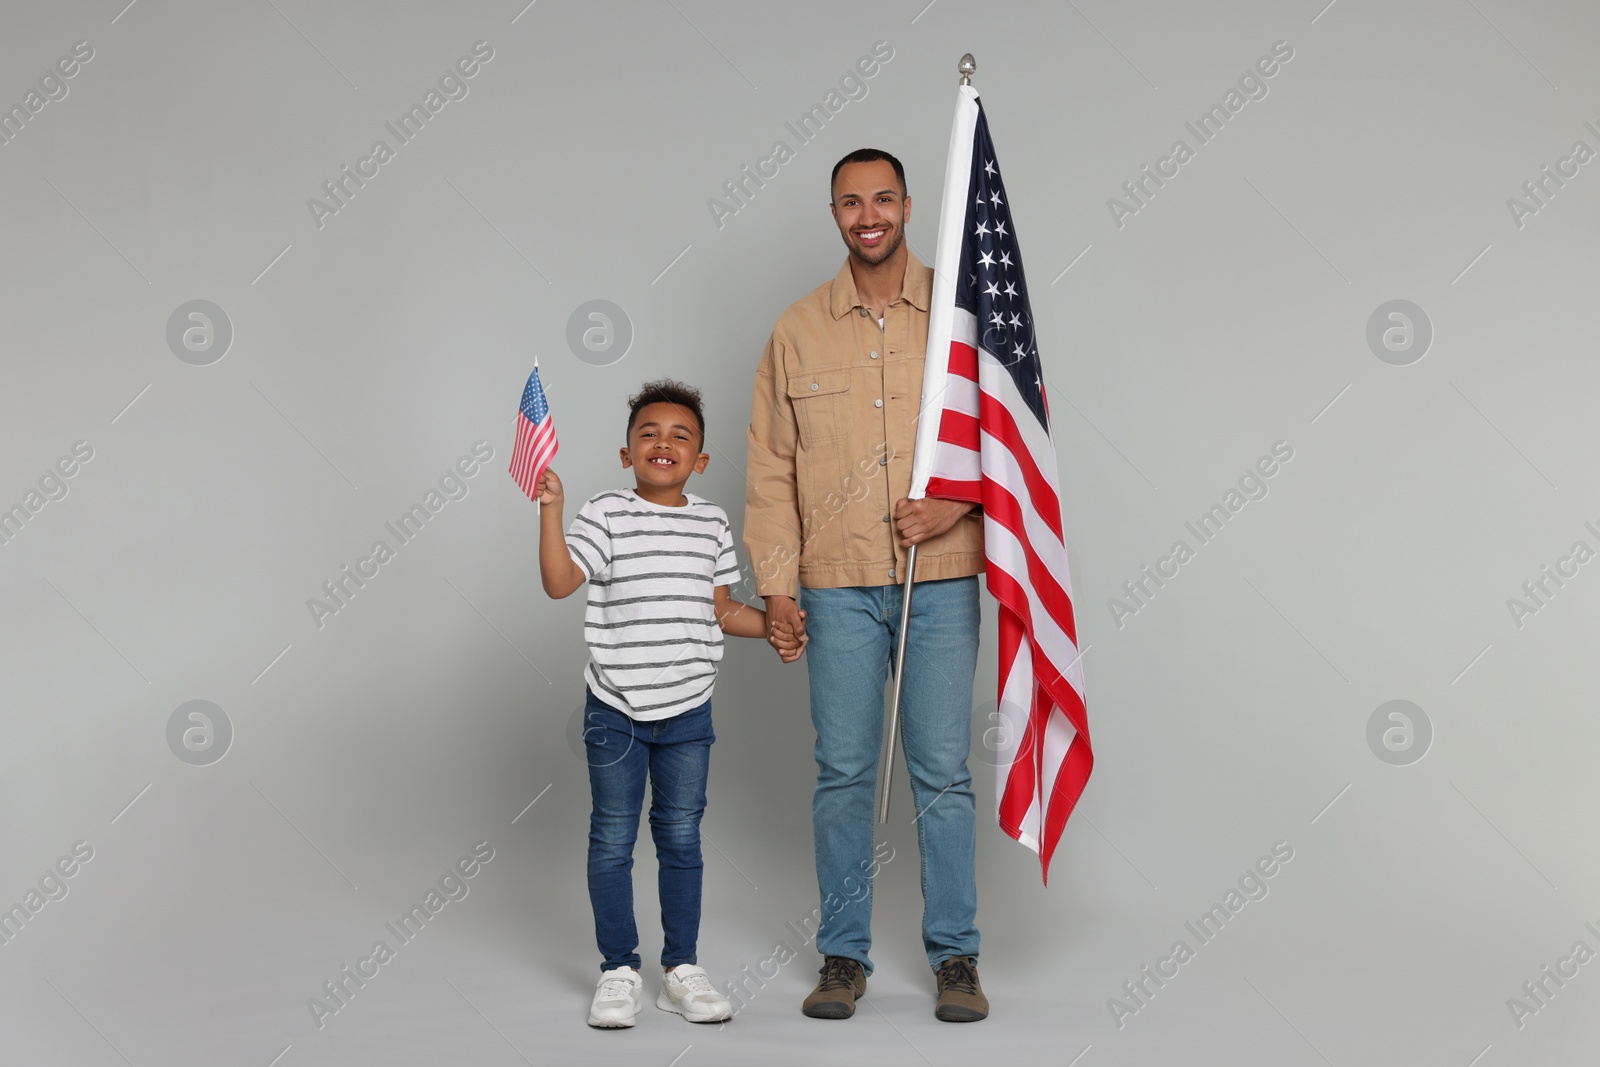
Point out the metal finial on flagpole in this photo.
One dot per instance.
(968, 67)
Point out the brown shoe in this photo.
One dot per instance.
(843, 981)
(961, 998)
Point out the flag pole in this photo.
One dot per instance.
(538, 508)
(966, 68)
(892, 732)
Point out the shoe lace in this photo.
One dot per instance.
(837, 973)
(616, 987)
(959, 975)
(697, 983)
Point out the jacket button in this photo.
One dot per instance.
(883, 461)
(886, 518)
(874, 355)
(891, 572)
(813, 387)
(875, 403)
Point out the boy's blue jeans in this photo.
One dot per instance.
(853, 633)
(676, 754)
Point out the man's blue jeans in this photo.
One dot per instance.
(676, 753)
(853, 633)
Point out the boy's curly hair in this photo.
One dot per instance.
(667, 391)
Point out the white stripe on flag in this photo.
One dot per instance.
(946, 263)
(1007, 554)
(1016, 697)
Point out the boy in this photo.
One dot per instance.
(659, 563)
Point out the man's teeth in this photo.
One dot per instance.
(871, 235)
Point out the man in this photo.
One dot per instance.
(827, 525)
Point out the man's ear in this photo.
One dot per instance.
(700, 463)
(907, 216)
(627, 460)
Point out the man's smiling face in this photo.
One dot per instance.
(871, 210)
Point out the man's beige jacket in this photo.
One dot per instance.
(832, 427)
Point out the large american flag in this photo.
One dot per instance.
(983, 392)
(536, 437)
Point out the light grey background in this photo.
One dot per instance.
(1231, 712)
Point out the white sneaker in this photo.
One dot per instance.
(617, 998)
(688, 991)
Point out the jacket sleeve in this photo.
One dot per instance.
(772, 509)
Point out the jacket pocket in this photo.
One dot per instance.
(820, 402)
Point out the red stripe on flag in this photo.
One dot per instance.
(1018, 792)
(1047, 675)
(1070, 782)
(1025, 777)
(960, 429)
(536, 446)
(954, 489)
(519, 453)
(963, 360)
(1022, 786)
(999, 424)
(1007, 591)
(1010, 592)
(1002, 507)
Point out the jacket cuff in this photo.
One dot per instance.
(785, 586)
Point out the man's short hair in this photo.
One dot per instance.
(868, 155)
(667, 391)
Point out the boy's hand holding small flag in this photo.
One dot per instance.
(549, 490)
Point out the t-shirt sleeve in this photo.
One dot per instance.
(589, 540)
(727, 560)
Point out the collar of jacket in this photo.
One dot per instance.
(917, 288)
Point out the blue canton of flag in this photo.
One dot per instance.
(993, 289)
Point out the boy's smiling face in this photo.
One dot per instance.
(663, 450)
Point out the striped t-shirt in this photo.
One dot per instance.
(653, 637)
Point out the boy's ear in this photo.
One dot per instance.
(700, 464)
(627, 460)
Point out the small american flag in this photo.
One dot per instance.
(536, 437)
(988, 442)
